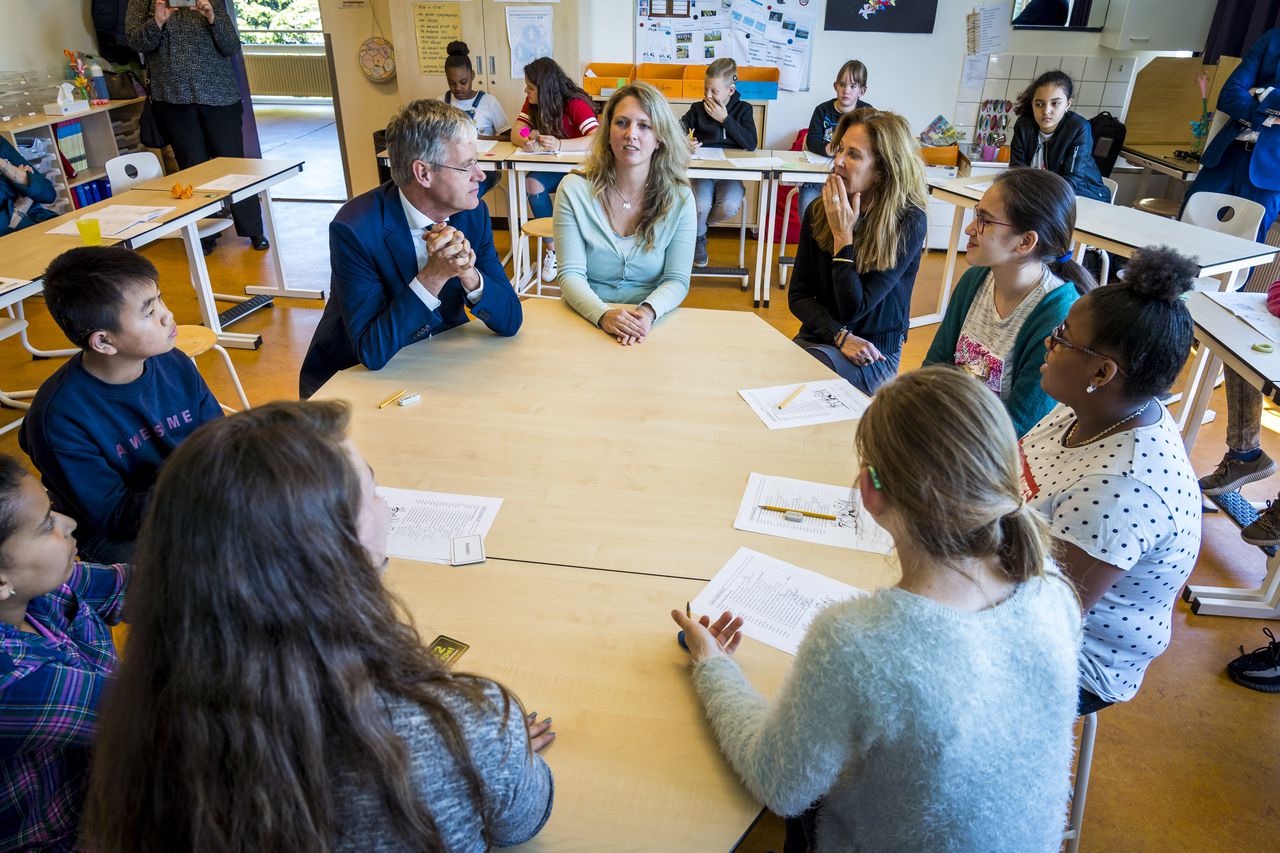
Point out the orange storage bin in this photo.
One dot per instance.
(666, 78)
(941, 155)
(606, 76)
(694, 75)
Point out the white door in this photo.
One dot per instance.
(412, 82)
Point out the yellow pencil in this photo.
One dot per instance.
(792, 396)
(688, 611)
(393, 398)
(803, 512)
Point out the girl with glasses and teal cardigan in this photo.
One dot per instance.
(1020, 287)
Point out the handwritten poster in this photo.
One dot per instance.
(776, 34)
(435, 25)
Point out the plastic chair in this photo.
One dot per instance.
(197, 340)
(128, 170)
(1226, 214)
(10, 326)
(1079, 790)
(1105, 273)
(1113, 187)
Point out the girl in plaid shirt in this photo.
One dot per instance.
(56, 655)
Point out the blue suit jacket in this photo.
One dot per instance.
(372, 313)
(1260, 68)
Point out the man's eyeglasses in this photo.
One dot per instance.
(1056, 339)
(981, 221)
(467, 167)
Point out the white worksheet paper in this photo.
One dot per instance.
(824, 402)
(230, 183)
(756, 162)
(708, 154)
(854, 528)
(776, 600)
(7, 284)
(423, 524)
(116, 220)
(484, 146)
(817, 159)
(1252, 308)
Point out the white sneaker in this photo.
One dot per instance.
(549, 265)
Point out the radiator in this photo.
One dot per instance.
(295, 74)
(1263, 276)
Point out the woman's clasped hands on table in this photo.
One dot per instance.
(630, 324)
(706, 639)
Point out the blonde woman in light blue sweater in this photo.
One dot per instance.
(936, 714)
(625, 225)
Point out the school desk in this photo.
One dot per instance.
(1159, 159)
(607, 457)
(267, 173)
(1226, 340)
(636, 766)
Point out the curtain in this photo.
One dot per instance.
(1237, 24)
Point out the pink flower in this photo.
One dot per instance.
(1203, 79)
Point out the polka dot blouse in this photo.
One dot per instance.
(1130, 500)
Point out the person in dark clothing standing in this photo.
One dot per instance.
(1048, 135)
(860, 250)
(194, 89)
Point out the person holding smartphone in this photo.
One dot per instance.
(188, 46)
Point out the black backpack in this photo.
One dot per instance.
(1108, 138)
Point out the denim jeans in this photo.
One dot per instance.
(540, 203)
(1244, 413)
(865, 377)
(716, 201)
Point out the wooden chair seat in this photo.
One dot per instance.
(1165, 207)
(541, 228)
(195, 340)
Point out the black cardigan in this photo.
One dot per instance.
(1069, 152)
(876, 305)
(738, 130)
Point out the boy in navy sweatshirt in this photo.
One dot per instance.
(720, 120)
(100, 427)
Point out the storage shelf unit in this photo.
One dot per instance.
(99, 141)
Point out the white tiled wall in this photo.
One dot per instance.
(1102, 84)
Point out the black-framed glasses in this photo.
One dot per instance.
(981, 221)
(1056, 339)
(467, 167)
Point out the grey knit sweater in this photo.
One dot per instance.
(517, 783)
(920, 727)
(189, 59)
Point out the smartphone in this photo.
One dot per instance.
(180, 4)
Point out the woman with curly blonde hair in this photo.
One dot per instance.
(625, 223)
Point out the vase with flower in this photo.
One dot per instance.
(1200, 128)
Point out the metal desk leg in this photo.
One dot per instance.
(282, 285)
(1262, 602)
(27, 345)
(763, 235)
(948, 270)
(204, 293)
(1196, 398)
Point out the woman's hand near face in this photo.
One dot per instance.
(204, 7)
(162, 13)
(842, 213)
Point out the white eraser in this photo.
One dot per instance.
(792, 515)
(409, 400)
(465, 550)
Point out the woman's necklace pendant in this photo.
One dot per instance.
(626, 205)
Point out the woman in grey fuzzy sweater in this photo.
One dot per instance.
(936, 714)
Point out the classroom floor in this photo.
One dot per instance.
(309, 132)
(1190, 764)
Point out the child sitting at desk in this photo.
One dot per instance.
(1020, 287)
(557, 116)
(56, 656)
(272, 698)
(22, 191)
(484, 110)
(1049, 135)
(935, 714)
(720, 120)
(102, 425)
(850, 86)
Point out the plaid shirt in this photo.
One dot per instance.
(50, 686)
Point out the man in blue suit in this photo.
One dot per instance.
(410, 256)
(1244, 158)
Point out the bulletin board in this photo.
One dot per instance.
(751, 32)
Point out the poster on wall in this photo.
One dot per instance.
(881, 16)
(529, 34)
(434, 26)
(751, 32)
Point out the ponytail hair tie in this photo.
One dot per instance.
(1066, 257)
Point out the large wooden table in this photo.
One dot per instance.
(621, 469)
(607, 457)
